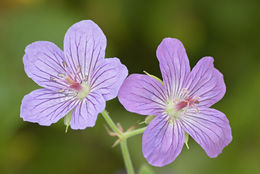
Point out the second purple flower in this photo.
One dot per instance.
(181, 105)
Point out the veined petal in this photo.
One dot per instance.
(85, 114)
(206, 82)
(210, 128)
(162, 141)
(43, 61)
(45, 106)
(174, 64)
(108, 77)
(142, 94)
(84, 47)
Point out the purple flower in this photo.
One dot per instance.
(181, 105)
(78, 80)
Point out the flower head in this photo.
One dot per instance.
(181, 105)
(79, 79)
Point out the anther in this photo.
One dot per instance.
(62, 90)
(61, 75)
(78, 69)
(196, 108)
(86, 78)
(52, 79)
(64, 64)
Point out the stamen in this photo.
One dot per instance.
(78, 69)
(86, 78)
(196, 100)
(185, 92)
(52, 79)
(74, 83)
(61, 75)
(62, 90)
(69, 80)
(196, 108)
(64, 64)
(187, 102)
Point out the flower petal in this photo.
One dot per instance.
(108, 78)
(142, 94)
(210, 128)
(85, 114)
(174, 64)
(162, 141)
(206, 82)
(84, 47)
(43, 62)
(45, 106)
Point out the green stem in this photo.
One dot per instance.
(123, 143)
(134, 132)
(126, 156)
(111, 123)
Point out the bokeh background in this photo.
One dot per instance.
(228, 30)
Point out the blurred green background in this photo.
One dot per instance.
(228, 30)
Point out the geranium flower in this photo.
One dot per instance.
(181, 105)
(78, 80)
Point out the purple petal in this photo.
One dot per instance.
(210, 128)
(206, 82)
(108, 78)
(142, 94)
(85, 114)
(84, 47)
(43, 62)
(162, 141)
(45, 106)
(174, 64)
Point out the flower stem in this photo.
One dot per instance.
(123, 140)
(111, 123)
(126, 156)
(134, 132)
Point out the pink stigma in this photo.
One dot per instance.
(73, 83)
(186, 103)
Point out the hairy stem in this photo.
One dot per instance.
(134, 132)
(111, 123)
(123, 140)
(126, 156)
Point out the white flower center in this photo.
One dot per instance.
(84, 91)
(171, 109)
